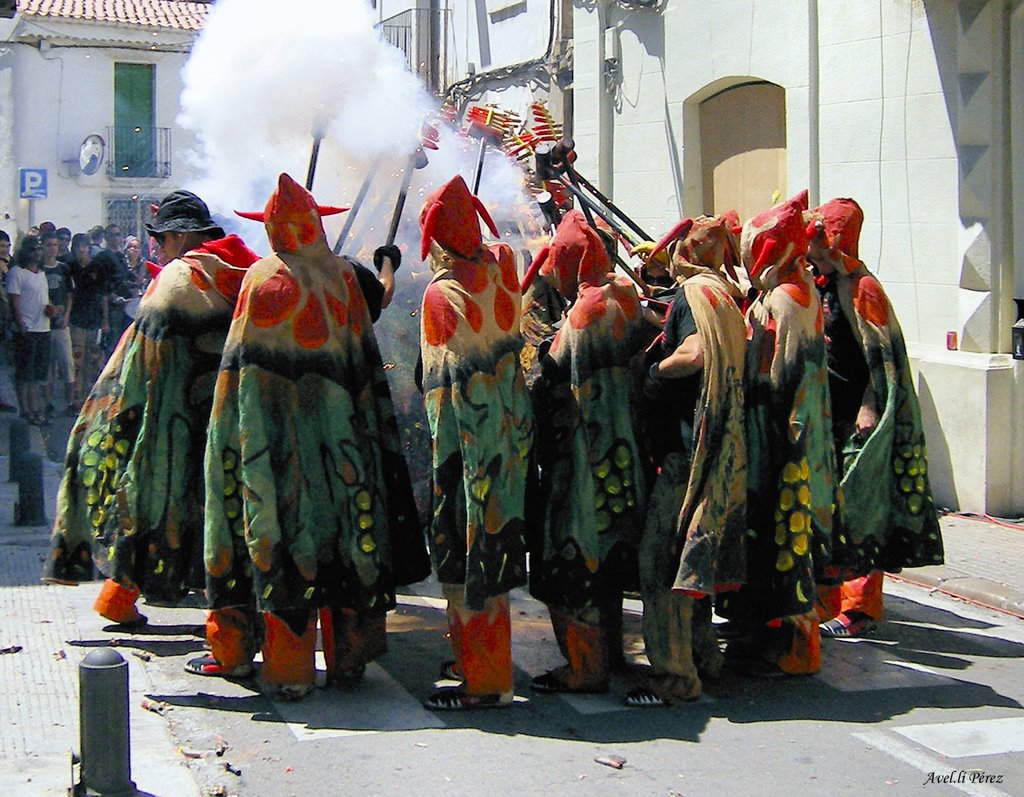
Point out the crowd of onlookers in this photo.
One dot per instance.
(65, 300)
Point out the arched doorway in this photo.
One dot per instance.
(743, 148)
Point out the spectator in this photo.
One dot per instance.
(5, 262)
(140, 269)
(121, 289)
(97, 237)
(90, 320)
(47, 227)
(6, 318)
(58, 281)
(32, 309)
(64, 248)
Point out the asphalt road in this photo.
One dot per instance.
(934, 695)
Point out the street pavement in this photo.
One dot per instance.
(931, 702)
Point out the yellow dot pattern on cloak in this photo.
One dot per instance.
(232, 492)
(99, 466)
(910, 464)
(793, 518)
(614, 491)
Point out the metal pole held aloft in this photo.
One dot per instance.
(350, 217)
(417, 160)
(314, 155)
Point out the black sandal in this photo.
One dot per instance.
(846, 625)
(642, 697)
(452, 698)
(550, 683)
(209, 666)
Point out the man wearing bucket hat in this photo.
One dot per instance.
(132, 494)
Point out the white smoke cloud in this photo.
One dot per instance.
(265, 76)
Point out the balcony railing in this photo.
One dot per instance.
(139, 151)
(423, 39)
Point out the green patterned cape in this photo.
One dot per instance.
(480, 421)
(309, 501)
(131, 498)
(791, 460)
(891, 522)
(592, 488)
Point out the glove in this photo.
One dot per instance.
(643, 251)
(653, 383)
(390, 251)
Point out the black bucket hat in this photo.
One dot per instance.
(183, 211)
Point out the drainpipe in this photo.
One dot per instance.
(813, 105)
(1006, 312)
(606, 111)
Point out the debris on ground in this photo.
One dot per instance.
(11, 649)
(232, 768)
(60, 654)
(153, 705)
(193, 754)
(215, 791)
(614, 761)
(219, 746)
(141, 654)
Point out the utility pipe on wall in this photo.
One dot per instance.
(813, 104)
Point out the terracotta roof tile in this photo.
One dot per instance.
(176, 14)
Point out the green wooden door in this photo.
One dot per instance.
(134, 116)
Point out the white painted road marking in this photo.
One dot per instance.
(923, 762)
(378, 704)
(970, 737)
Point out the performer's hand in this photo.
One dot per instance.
(652, 383)
(389, 251)
(867, 420)
(643, 251)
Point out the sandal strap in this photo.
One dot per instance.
(642, 697)
(454, 699)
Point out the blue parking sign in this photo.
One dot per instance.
(32, 183)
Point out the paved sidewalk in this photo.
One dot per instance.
(56, 627)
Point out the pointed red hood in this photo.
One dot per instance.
(574, 256)
(449, 216)
(292, 216)
(842, 219)
(775, 237)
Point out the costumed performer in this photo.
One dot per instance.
(791, 487)
(890, 518)
(481, 427)
(694, 539)
(132, 495)
(309, 503)
(590, 500)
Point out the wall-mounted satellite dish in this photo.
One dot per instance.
(90, 156)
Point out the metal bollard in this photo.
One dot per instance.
(104, 734)
(31, 511)
(19, 445)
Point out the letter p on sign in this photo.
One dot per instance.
(32, 183)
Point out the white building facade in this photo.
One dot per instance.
(73, 71)
(915, 108)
